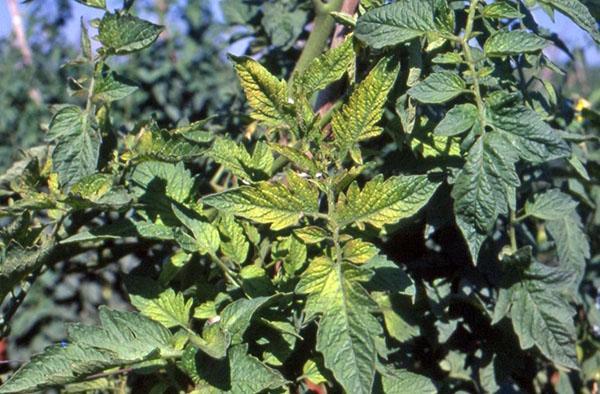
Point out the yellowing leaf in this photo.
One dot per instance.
(272, 203)
(347, 329)
(327, 68)
(265, 93)
(384, 202)
(356, 121)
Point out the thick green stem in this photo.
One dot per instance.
(322, 29)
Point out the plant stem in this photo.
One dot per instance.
(226, 271)
(511, 231)
(322, 29)
(471, 62)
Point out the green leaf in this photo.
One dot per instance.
(482, 188)
(169, 308)
(327, 68)
(122, 339)
(578, 13)
(438, 88)
(77, 145)
(291, 251)
(94, 3)
(399, 381)
(311, 234)
(358, 251)
(399, 22)
(17, 263)
(157, 185)
(526, 131)
(234, 244)
(552, 205)
(384, 202)
(516, 42)
(356, 121)
(214, 340)
(110, 86)
(458, 120)
(501, 10)
(237, 316)
(572, 244)
(347, 330)
(249, 374)
(171, 146)
(235, 158)
(206, 236)
(123, 33)
(266, 94)
(296, 156)
(542, 316)
(269, 203)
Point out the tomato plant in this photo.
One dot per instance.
(406, 206)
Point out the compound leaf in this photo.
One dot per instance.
(578, 13)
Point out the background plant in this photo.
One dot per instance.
(407, 213)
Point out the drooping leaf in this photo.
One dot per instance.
(77, 144)
(541, 314)
(384, 202)
(572, 245)
(271, 203)
(515, 42)
(266, 94)
(356, 121)
(458, 120)
(327, 68)
(124, 33)
(122, 339)
(482, 188)
(399, 22)
(347, 329)
(438, 88)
